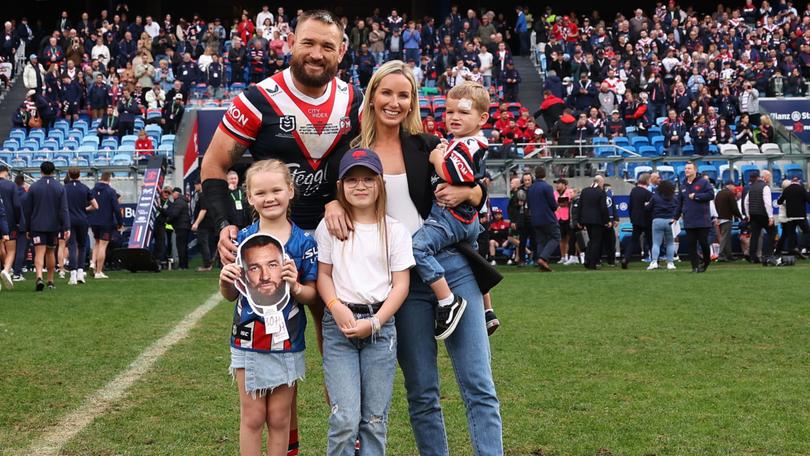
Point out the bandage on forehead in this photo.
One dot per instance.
(465, 103)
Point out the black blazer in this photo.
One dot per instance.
(639, 197)
(795, 198)
(593, 207)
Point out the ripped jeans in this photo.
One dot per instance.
(359, 375)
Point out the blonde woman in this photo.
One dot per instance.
(392, 128)
(766, 131)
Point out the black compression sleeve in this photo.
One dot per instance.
(217, 199)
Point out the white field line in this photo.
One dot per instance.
(55, 437)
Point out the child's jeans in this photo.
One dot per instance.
(359, 375)
(441, 230)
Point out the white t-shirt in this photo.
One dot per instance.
(486, 63)
(360, 269)
(398, 202)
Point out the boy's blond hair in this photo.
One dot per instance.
(472, 91)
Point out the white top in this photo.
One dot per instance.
(152, 29)
(399, 204)
(486, 63)
(102, 53)
(360, 269)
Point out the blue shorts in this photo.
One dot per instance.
(46, 238)
(102, 233)
(265, 371)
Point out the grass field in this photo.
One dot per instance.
(626, 362)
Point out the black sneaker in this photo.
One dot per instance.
(40, 284)
(447, 317)
(492, 322)
(51, 286)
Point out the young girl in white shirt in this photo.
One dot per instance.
(363, 281)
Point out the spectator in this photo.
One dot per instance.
(498, 234)
(700, 134)
(376, 42)
(365, 65)
(608, 101)
(563, 131)
(34, 75)
(188, 72)
(144, 72)
(173, 114)
(663, 207)
(194, 48)
(98, 96)
(510, 78)
(722, 133)
(693, 204)
(564, 197)
(10, 199)
(766, 130)
(108, 126)
(614, 127)
(46, 215)
(126, 49)
(128, 109)
(177, 215)
(393, 44)
(53, 53)
(215, 77)
(745, 132)
(71, 96)
(245, 29)
(203, 226)
(674, 131)
(412, 42)
(144, 147)
(257, 63)
(164, 76)
(749, 102)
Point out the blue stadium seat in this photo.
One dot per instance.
(777, 174)
(648, 151)
(660, 121)
(638, 170)
(658, 143)
(153, 129)
(61, 125)
(713, 149)
(31, 144)
(152, 114)
(793, 170)
(139, 123)
(19, 134)
(654, 131)
(121, 159)
(81, 125)
(38, 134)
(5, 157)
(747, 171)
(11, 145)
(80, 162)
(603, 152)
(90, 140)
(639, 141)
(94, 124)
(666, 172)
(101, 161)
(20, 161)
(729, 174)
(60, 163)
(680, 172)
(76, 134)
(167, 139)
(129, 139)
(599, 140)
(63, 154)
(709, 170)
(111, 142)
(621, 141)
(70, 144)
(688, 149)
(631, 132)
(167, 151)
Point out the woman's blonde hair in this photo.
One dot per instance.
(272, 166)
(765, 120)
(412, 123)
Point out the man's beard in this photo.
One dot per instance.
(297, 66)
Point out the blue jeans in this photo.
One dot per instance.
(412, 54)
(359, 375)
(468, 348)
(674, 150)
(487, 80)
(441, 230)
(662, 231)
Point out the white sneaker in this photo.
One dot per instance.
(571, 261)
(671, 266)
(100, 275)
(563, 260)
(653, 265)
(510, 262)
(5, 279)
(582, 258)
(72, 280)
(80, 276)
(61, 273)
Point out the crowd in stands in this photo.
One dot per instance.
(694, 78)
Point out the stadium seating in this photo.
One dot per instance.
(771, 149)
(710, 171)
(794, 171)
(667, 172)
(749, 149)
(727, 173)
(729, 149)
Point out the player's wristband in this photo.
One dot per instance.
(217, 199)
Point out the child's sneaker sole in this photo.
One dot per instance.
(447, 318)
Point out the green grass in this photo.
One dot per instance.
(634, 362)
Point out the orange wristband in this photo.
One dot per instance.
(331, 303)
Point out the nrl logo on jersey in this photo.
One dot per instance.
(287, 123)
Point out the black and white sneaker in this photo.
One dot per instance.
(40, 284)
(447, 317)
(492, 321)
(51, 286)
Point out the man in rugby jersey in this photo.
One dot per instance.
(304, 116)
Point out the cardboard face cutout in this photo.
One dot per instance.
(262, 258)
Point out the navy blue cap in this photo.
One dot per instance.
(360, 157)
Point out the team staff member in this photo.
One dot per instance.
(12, 206)
(80, 202)
(104, 221)
(303, 116)
(46, 215)
(694, 197)
(179, 217)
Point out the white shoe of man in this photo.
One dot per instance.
(73, 276)
(100, 275)
(653, 265)
(80, 276)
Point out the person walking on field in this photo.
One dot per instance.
(542, 205)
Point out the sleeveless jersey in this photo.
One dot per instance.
(463, 164)
(275, 120)
(248, 330)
